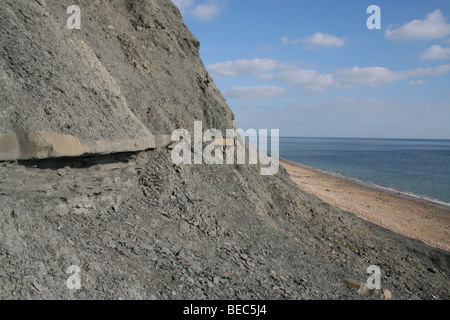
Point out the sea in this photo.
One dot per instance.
(410, 167)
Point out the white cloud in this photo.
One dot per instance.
(417, 83)
(242, 67)
(256, 92)
(433, 27)
(183, 4)
(432, 71)
(344, 78)
(306, 79)
(324, 40)
(293, 75)
(370, 76)
(376, 76)
(205, 11)
(436, 53)
(353, 77)
(286, 40)
(317, 40)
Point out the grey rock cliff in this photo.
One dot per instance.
(131, 72)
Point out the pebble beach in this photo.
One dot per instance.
(406, 216)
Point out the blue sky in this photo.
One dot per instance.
(314, 69)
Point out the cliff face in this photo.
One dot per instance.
(136, 225)
(131, 72)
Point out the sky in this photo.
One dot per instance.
(316, 69)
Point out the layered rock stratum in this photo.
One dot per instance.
(86, 179)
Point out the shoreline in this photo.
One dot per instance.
(406, 194)
(403, 213)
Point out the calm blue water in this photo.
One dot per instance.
(421, 167)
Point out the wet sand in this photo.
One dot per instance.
(409, 217)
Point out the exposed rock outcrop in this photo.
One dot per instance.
(131, 72)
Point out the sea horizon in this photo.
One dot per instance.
(363, 138)
(414, 168)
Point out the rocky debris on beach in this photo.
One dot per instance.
(136, 225)
(365, 291)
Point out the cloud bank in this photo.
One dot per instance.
(266, 70)
(436, 53)
(242, 67)
(433, 27)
